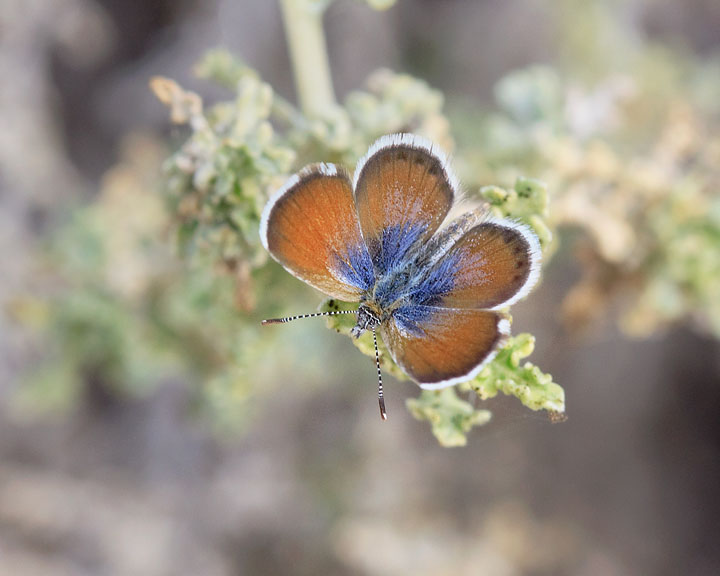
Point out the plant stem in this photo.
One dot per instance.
(308, 54)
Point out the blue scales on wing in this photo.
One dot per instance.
(491, 265)
(403, 192)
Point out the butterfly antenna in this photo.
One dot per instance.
(314, 315)
(381, 400)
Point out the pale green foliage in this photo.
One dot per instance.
(684, 274)
(117, 320)
(527, 201)
(125, 316)
(218, 180)
(394, 101)
(632, 161)
(240, 151)
(527, 383)
(451, 417)
(531, 96)
(133, 316)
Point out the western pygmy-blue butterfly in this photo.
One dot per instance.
(375, 239)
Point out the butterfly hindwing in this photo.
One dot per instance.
(494, 264)
(404, 188)
(439, 347)
(310, 226)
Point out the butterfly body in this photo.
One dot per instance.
(397, 295)
(434, 293)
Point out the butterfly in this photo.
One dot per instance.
(435, 294)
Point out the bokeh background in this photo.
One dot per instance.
(122, 450)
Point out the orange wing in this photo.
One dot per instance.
(404, 188)
(493, 264)
(310, 226)
(445, 346)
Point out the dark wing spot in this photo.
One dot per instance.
(508, 235)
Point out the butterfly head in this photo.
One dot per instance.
(368, 318)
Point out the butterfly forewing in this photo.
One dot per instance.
(403, 191)
(494, 264)
(311, 227)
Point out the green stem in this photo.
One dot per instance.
(308, 54)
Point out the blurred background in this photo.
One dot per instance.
(148, 426)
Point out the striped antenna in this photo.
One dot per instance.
(381, 400)
(314, 315)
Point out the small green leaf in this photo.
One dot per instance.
(223, 67)
(451, 417)
(527, 201)
(535, 389)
